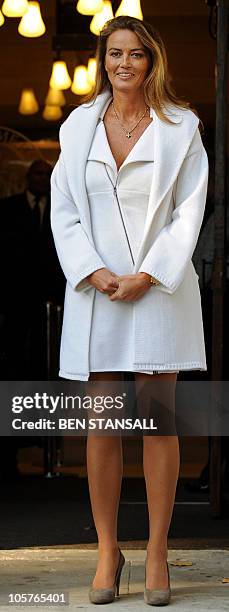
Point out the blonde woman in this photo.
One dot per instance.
(128, 197)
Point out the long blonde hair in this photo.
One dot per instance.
(157, 86)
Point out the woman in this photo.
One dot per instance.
(128, 197)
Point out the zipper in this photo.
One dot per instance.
(120, 211)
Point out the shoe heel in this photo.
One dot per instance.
(168, 575)
(119, 572)
(118, 581)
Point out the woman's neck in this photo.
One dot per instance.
(128, 105)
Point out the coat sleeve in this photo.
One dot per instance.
(78, 257)
(173, 248)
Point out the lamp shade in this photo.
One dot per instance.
(89, 7)
(60, 78)
(131, 8)
(31, 24)
(81, 84)
(28, 104)
(2, 18)
(55, 97)
(91, 70)
(52, 113)
(101, 18)
(15, 8)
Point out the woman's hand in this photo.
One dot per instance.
(104, 280)
(132, 287)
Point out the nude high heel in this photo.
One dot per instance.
(157, 597)
(103, 596)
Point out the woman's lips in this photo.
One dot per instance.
(125, 75)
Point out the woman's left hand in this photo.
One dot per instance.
(131, 287)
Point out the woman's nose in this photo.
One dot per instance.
(125, 62)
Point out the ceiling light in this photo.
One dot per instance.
(89, 7)
(28, 104)
(55, 97)
(31, 24)
(14, 8)
(101, 18)
(60, 78)
(2, 18)
(91, 70)
(131, 8)
(52, 113)
(80, 84)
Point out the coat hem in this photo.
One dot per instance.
(190, 365)
(73, 376)
(139, 367)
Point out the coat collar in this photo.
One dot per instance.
(143, 149)
(171, 145)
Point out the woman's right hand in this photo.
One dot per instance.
(104, 280)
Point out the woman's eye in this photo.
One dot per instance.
(117, 54)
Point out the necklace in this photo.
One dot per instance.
(128, 133)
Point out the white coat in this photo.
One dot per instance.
(168, 317)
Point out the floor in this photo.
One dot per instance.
(199, 584)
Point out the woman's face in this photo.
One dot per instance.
(126, 61)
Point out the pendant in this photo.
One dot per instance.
(128, 135)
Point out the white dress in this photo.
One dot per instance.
(121, 198)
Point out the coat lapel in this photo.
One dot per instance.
(77, 136)
(171, 143)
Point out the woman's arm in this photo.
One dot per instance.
(173, 248)
(78, 257)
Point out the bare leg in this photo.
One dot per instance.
(161, 469)
(105, 468)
